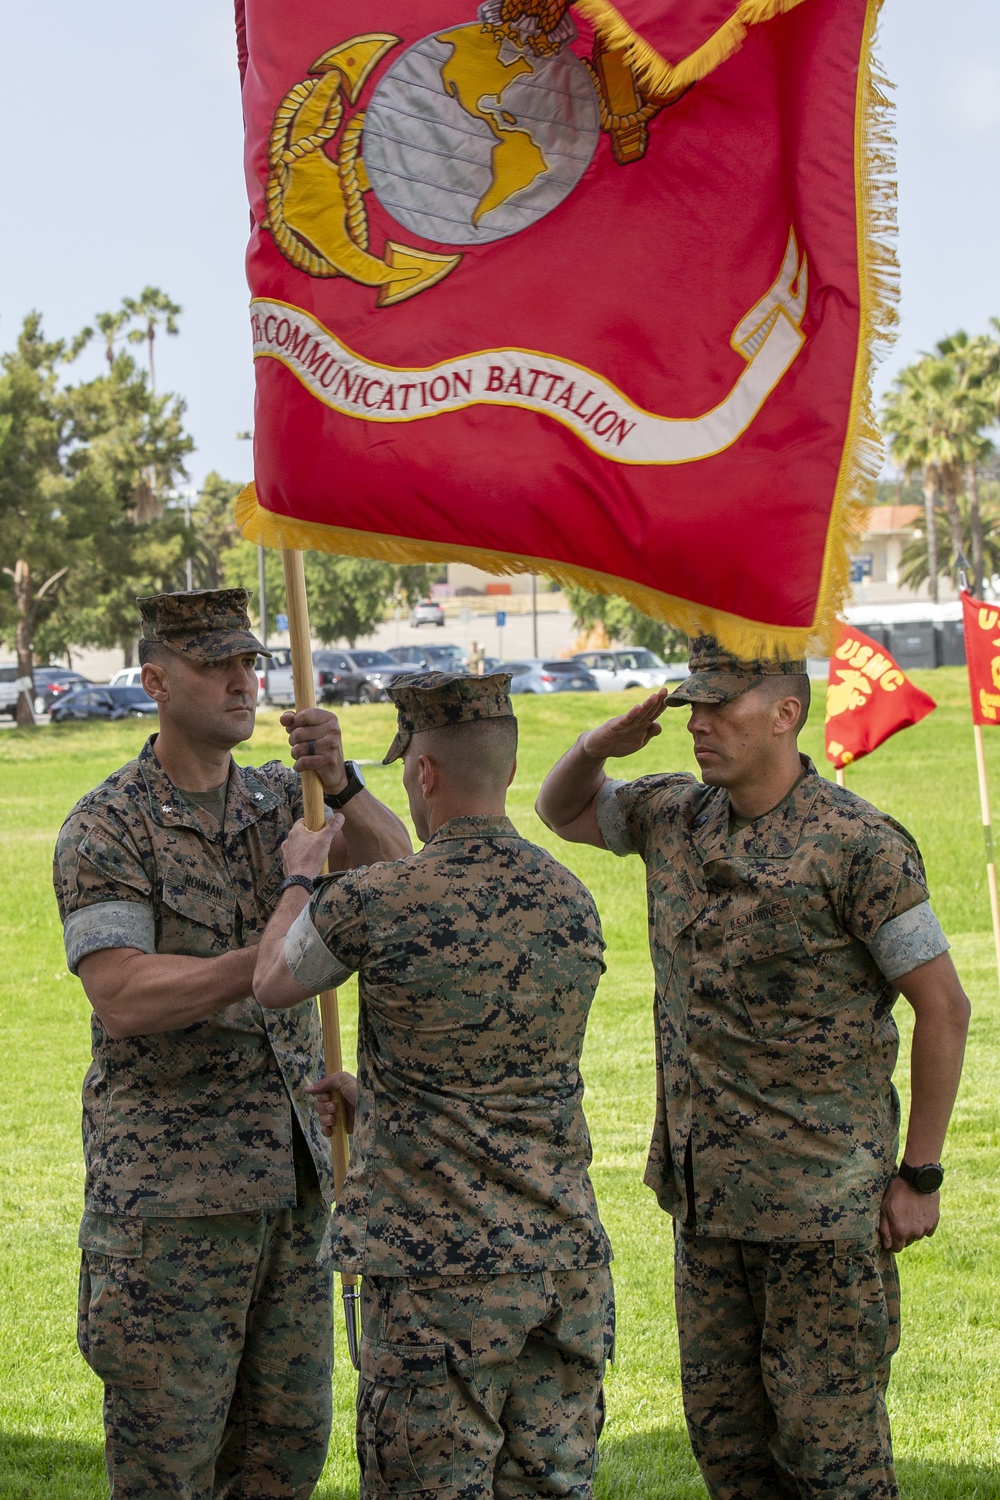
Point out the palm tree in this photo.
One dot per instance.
(936, 416)
(153, 308)
(110, 324)
(906, 417)
(974, 366)
(914, 568)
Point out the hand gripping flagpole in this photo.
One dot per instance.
(314, 809)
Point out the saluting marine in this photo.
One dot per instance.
(786, 914)
(487, 1298)
(202, 1307)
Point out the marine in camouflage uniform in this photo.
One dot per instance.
(208, 1187)
(776, 943)
(487, 1299)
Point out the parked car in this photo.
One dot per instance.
(275, 676)
(426, 612)
(357, 676)
(112, 702)
(51, 683)
(532, 675)
(429, 658)
(617, 671)
(8, 688)
(127, 677)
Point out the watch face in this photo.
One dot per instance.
(928, 1179)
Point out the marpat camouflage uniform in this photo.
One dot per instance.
(488, 1308)
(777, 1122)
(202, 1307)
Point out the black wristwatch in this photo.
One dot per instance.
(305, 881)
(355, 784)
(925, 1179)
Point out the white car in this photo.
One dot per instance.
(275, 677)
(127, 677)
(617, 671)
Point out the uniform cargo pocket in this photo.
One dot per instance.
(115, 1324)
(406, 1439)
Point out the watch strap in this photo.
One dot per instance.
(305, 881)
(927, 1178)
(355, 784)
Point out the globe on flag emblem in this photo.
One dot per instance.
(469, 138)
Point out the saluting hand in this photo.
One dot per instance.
(628, 732)
(316, 744)
(336, 1093)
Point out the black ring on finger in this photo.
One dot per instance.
(312, 747)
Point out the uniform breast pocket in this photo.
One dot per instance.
(197, 913)
(771, 968)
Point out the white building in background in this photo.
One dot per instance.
(875, 570)
(465, 576)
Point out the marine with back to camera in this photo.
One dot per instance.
(786, 915)
(487, 1298)
(202, 1306)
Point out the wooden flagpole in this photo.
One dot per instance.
(297, 605)
(840, 776)
(991, 869)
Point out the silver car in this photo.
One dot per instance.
(426, 612)
(617, 671)
(533, 675)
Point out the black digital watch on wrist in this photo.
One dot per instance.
(925, 1179)
(355, 784)
(305, 881)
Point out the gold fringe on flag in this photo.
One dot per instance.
(878, 282)
(653, 71)
(878, 278)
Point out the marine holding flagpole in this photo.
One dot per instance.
(205, 1303)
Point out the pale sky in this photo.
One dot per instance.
(122, 166)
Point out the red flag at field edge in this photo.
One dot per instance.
(868, 698)
(528, 295)
(982, 655)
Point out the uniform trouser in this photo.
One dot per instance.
(214, 1339)
(785, 1352)
(483, 1387)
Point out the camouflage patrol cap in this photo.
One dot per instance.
(717, 675)
(207, 625)
(432, 700)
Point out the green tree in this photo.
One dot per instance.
(626, 624)
(974, 370)
(76, 464)
(46, 520)
(914, 567)
(348, 596)
(152, 309)
(937, 417)
(214, 525)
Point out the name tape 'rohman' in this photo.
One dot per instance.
(768, 338)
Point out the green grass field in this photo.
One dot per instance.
(945, 1394)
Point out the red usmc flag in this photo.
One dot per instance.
(982, 654)
(868, 698)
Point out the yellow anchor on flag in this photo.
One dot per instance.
(315, 206)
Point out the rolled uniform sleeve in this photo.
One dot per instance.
(328, 939)
(886, 902)
(104, 892)
(627, 811)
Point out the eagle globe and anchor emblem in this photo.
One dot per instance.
(472, 134)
